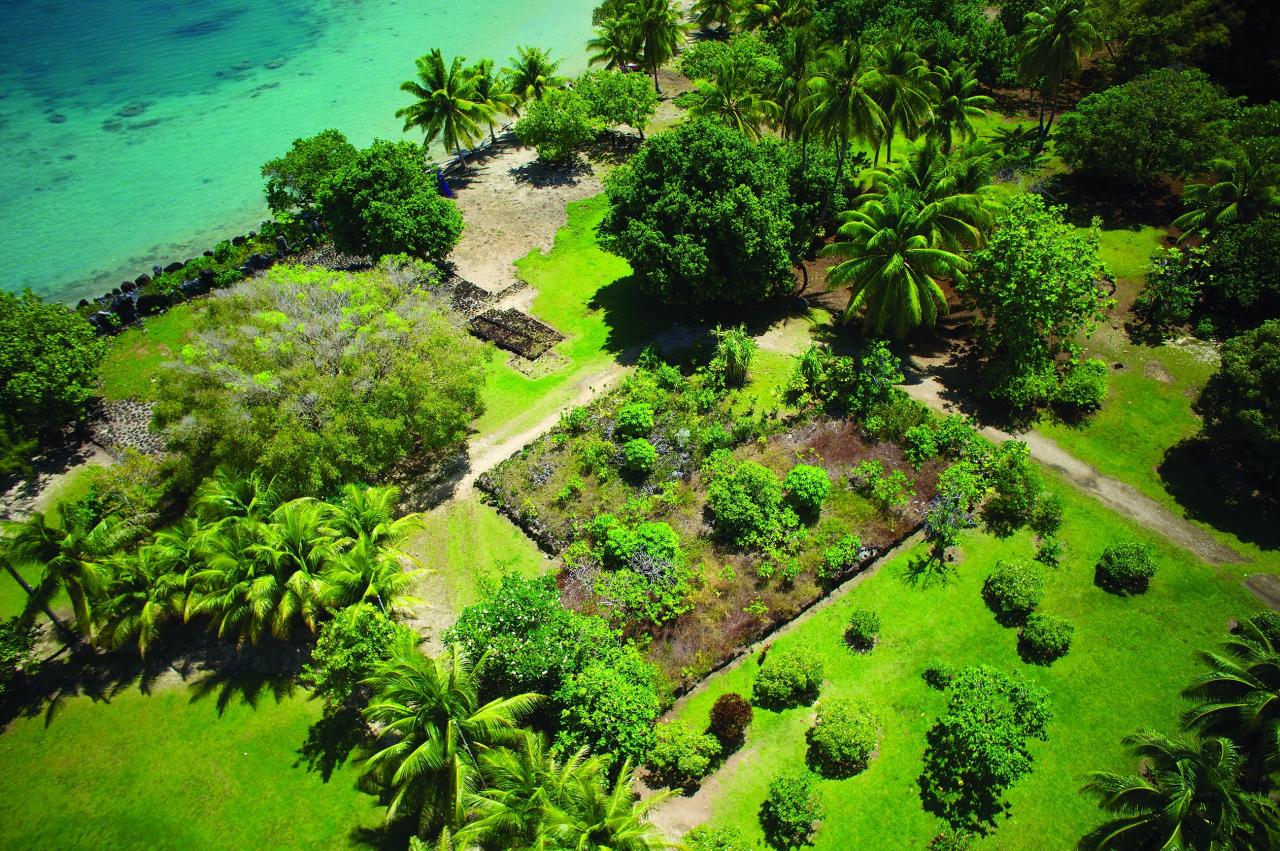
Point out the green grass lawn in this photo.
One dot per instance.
(466, 542)
(582, 293)
(133, 357)
(1130, 659)
(161, 771)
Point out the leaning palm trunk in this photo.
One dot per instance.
(62, 628)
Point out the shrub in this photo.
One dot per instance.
(558, 124)
(939, 675)
(840, 556)
(735, 350)
(879, 370)
(616, 98)
(634, 420)
(719, 839)
(296, 181)
(1013, 590)
(919, 445)
(746, 503)
(730, 717)
(680, 757)
(1240, 405)
(1126, 568)
(1084, 387)
(790, 810)
(610, 706)
(951, 839)
(1047, 515)
(1049, 552)
(639, 456)
(842, 738)
(893, 491)
(1172, 288)
(787, 678)
(956, 438)
(1045, 637)
(1015, 488)
(863, 630)
(347, 651)
(575, 420)
(807, 487)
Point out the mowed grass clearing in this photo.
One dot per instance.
(1130, 659)
(166, 771)
(134, 356)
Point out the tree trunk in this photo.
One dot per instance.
(61, 627)
(655, 79)
(888, 147)
(462, 158)
(1053, 112)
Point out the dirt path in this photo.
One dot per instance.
(678, 815)
(1123, 498)
(26, 497)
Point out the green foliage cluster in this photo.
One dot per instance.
(1164, 122)
(639, 456)
(618, 98)
(790, 808)
(1036, 287)
(681, 757)
(717, 839)
(634, 420)
(734, 352)
(348, 650)
(610, 706)
(17, 650)
(843, 736)
(787, 678)
(890, 491)
(978, 748)
(1014, 589)
(1126, 567)
(749, 53)
(1016, 487)
(807, 487)
(1173, 288)
(746, 500)
(840, 556)
(1240, 406)
(1045, 638)
(558, 124)
(323, 377)
(49, 358)
(386, 202)
(863, 630)
(704, 215)
(298, 180)
(729, 718)
(646, 575)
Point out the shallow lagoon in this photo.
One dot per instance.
(133, 130)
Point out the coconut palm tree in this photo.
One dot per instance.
(1054, 42)
(368, 572)
(593, 814)
(144, 591)
(730, 99)
(708, 12)
(659, 27)
(891, 262)
(615, 44)
(903, 87)
(370, 512)
(1239, 697)
(1185, 797)
(953, 194)
(433, 732)
(1248, 190)
(959, 105)
(520, 784)
(227, 493)
(775, 14)
(446, 103)
(840, 103)
(71, 553)
(532, 72)
(796, 57)
(493, 92)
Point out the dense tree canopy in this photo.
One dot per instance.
(1241, 403)
(323, 377)
(1164, 122)
(558, 124)
(296, 181)
(703, 214)
(386, 202)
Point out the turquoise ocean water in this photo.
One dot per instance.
(132, 131)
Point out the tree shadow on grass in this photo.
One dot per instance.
(925, 571)
(1119, 206)
(331, 740)
(1186, 473)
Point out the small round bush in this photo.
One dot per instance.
(634, 420)
(1045, 637)
(807, 487)
(843, 737)
(680, 757)
(787, 678)
(730, 717)
(863, 629)
(1049, 552)
(1126, 568)
(840, 556)
(639, 456)
(1047, 515)
(790, 809)
(938, 675)
(1013, 590)
(919, 444)
(720, 839)
(951, 839)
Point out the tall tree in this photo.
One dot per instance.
(1239, 697)
(615, 44)
(493, 92)
(434, 732)
(731, 99)
(891, 262)
(708, 12)
(533, 71)
(1185, 797)
(447, 105)
(595, 814)
(775, 14)
(841, 102)
(952, 193)
(799, 52)
(903, 88)
(1249, 189)
(1054, 42)
(959, 105)
(144, 591)
(659, 27)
